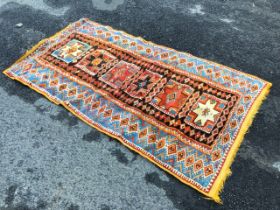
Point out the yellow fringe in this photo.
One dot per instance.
(225, 171)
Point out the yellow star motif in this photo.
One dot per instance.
(71, 50)
(205, 112)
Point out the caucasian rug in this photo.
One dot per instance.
(185, 114)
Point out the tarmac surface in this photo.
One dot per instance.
(49, 159)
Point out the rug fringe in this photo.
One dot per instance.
(226, 171)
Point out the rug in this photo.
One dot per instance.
(185, 114)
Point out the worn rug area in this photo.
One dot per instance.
(185, 114)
